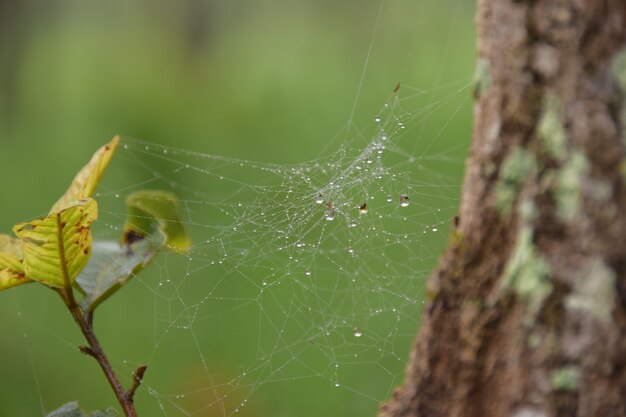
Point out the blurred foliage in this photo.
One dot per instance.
(271, 81)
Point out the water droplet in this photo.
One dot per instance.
(125, 146)
(117, 195)
(389, 199)
(307, 273)
(165, 151)
(404, 200)
(401, 125)
(377, 119)
(357, 332)
(434, 228)
(363, 208)
(336, 384)
(330, 212)
(264, 282)
(319, 199)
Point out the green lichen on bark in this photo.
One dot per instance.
(566, 180)
(567, 187)
(528, 210)
(619, 68)
(594, 291)
(533, 340)
(551, 130)
(619, 71)
(527, 273)
(565, 378)
(482, 77)
(518, 166)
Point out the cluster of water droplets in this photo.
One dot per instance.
(329, 212)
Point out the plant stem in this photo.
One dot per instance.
(84, 321)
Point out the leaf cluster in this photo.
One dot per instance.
(58, 250)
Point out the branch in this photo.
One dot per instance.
(85, 322)
(94, 349)
(137, 378)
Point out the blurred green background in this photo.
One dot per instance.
(272, 80)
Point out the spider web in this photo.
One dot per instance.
(318, 268)
(303, 289)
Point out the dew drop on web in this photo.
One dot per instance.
(330, 212)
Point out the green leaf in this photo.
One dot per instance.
(11, 268)
(150, 211)
(112, 265)
(153, 223)
(57, 247)
(72, 409)
(84, 183)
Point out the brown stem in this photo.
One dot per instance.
(84, 319)
(84, 322)
(137, 378)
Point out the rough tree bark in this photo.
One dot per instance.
(527, 316)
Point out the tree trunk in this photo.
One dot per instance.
(527, 310)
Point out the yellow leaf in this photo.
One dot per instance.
(57, 247)
(11, 268)
(84, 183)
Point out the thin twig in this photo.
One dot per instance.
(87, 351)
(95, 350)
(137, 378)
